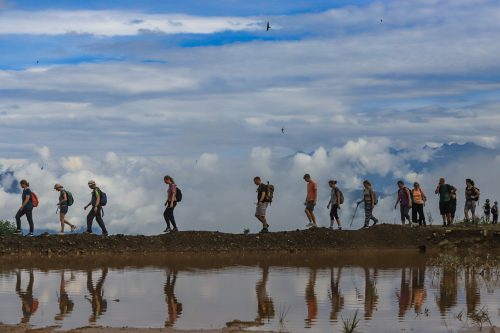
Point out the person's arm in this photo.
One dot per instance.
(397, 200)
(64, 199)
(97, 199)
(437, 189)
(315, 192)
(262, 197)
(26, 201)
(372, 196)
(170, 200)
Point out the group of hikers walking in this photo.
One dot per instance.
(408, 200)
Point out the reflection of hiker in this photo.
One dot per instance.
(63, 204)
(494, 212)
(471, 196)
(29, 305)
(370, 200)
(174, 306)
(419, 199)
(311, 197)
(404, 294)
(311, 300)
(336, 298)
(96, 299)
(336, 198)
(487, 211)
(371, 297)
(66, 305)
(262, 204)
(265, 303)
(404, 201)
(97, 201)
(418, 287)
(26, 208)
(472, 290)
(171, 203)
(447, 290)
(445, 206)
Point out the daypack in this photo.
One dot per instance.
(69, 198)
(269, 193)
(478, 194)
(178, 195)
(494, 210)
(340, 196)
(34, 199)
(409, 191)
(104, 199)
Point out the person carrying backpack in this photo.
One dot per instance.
(370, 200)
(99, 199)
(172, 199)
(471, 197)
(29, 200)
(487, 211)
(262, 203)
(445, 192)
(336, 199)
(310, 202)
(404, 200)
(494, 212)
(419, 199)
(65, 200)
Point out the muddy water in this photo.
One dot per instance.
(392, 292)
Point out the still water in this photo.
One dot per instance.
(392, 292)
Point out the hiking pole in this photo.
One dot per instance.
(354, 215)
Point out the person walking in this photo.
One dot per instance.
(335, 202)
(471, 197)
(445, 191)
(25, 209)
(311, 198)
(487, 211)
(370, 201)
(494, 212)
(63, 206)
(419, 199)
(404, 201)
(262, 204)
(96, 202)
(171, 203)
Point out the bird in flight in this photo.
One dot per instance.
(283, 130)
(37, 61)
(268, 26)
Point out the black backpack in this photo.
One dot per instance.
(178, 195)
(340, 195)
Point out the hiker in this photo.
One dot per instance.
(96, 295)
(404, 201)
(494, 212)
(97, 202)
(311, 198)
(262, 204)
(171, 203)
(63, 206)
(419, 199)
(265, 305)
(66, 305)
(445, 206)
(487, 211)
(25, 209)
(370, 200)
(29, 304)
(453, 204)
(471, 196)
(174, 307)
(336, 197)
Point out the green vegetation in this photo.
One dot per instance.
(350, 324)
(7, 228)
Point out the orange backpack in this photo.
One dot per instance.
(34, 199)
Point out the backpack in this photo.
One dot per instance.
(494, 210)
(34, 199)
(69, 198)
(104, 199)
(178, 195)
(375, 198)
(339, 195)
(478, 194)
(269, 193)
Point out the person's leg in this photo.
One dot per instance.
(402, 213)
(332, 216)
(308, 214)
(29, 217)
(166, 217)
(368, 214)
(313, 218)
(100, 221)
(171, 217)
(19, 214)
(90, 219)
(336, 215)
(473, 211)
(407, 215)
(421, 215)
(62, 220)
(414, 212)
(495, 219)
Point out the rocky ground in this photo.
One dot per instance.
(379, 237)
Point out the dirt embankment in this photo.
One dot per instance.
(379, 237)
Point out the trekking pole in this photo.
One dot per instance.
(354, 215)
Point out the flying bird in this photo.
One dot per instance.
(381, 20)
(37, 61)
(283, 130)
(268, 26)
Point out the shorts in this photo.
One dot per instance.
(261, 209)
(470, 205)
(310, 206)
(63, 209)
(334, 213)
(444, 207)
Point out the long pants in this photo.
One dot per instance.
(168, 215)
(369, 214)
(417, 214)
(98, 216)
(29, 215)
(495, 218)
(404, 209)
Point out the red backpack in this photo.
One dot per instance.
(34, 199)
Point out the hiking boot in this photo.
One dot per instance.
(264, 231)
(61, 233)
(366, 226)
(309, 225)
(167, 230)
(175, 230)
(88, 232)
(331, 227)
(104, 234)
(18, 232)
(30, 234)
(73, 228)
(374, 223)
(340, 228)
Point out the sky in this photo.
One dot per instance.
(127, 91)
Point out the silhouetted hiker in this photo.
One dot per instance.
(494, 212)
(65, 200)
(336, 199)
(262, 204)
(445, 206)
(471, 197)
(371, 295)
(336, 298)
(173, 305)
(419, 199)
(170, 204)
(29, 304)
(265, 305)
(370, 200)
(311, 300)
(66, 305)
(487, 211)
(99, 199)
(404, 200)
(310, 203)
(27, 204)
(96, 299)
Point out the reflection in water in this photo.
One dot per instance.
(447, 290)
(411, 296)
(336, 298)
(173, 305)
(29, 304)
(96, 299)
(311, 300)
(404, 294)
(265, 303)
(472, 293)
(418, 288)
(371, 297)
(66, 305)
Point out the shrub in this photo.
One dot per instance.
(7, 228)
